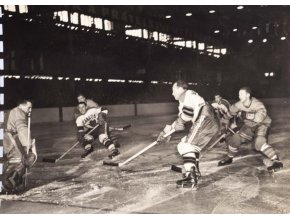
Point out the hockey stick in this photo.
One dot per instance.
(51, 160)
(27, 149)
(120, 128)
(137, 154)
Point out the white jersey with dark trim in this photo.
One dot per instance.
(190, 106)
(89, 119)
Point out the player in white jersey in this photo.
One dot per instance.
(192, 108)
(89, 118)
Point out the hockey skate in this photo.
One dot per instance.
(273, 165)
(189, 180)
(87, 152)
(226, 161)
(115, 152)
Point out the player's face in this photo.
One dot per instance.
(243, 96)
(177, 91)
(82, 108)
(81, 98)
(217, 98)
(27, 107)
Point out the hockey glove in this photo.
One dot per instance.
(102, 118)
(88, 138)
(161, 137)
(29, 160)
(178, 124)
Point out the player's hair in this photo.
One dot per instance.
(80, 94)
(23, 101)
(182, 84)
(217, 94)
(247, 89)
(82, 102)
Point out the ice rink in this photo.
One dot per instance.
(146, 184)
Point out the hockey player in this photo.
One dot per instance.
(90, 104)
(89, 118)
(192, 107)
(255, 127)
(221, 107)
(17, 141)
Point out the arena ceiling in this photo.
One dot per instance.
(230, 26)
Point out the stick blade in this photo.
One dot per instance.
(108, 163)
(49, 160)
(127, 126)
(176, 168)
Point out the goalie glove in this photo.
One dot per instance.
(102, 118)
(161, 137)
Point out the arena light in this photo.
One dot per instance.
(283, 38)
(154, 82)
(266, 74)
(168, 16)
(59, 78)
(250, 41)
(271, 74)
(235, 30)
(211, 11)
(240, 7)
(264, 40)
(216, 31)
(188, 14)
(254, 27)
(67, 78)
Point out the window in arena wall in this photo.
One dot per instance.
(163, 37)
(201, 46)
(217, 51)
(98, 23)
(155, 35)
(136, 32)
(74, 18)
(223, 51)
(188, 44)
(145, 34)
(86, 20)
(63, 15)
(108, 25)
(23, 9)
(10, 8)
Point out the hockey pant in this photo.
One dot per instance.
(102, 134)
(200, 134)
(258, 135)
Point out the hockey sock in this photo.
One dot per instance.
(269, 151)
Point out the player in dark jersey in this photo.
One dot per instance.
(90, 104)
(255, 127)
(89, 118)
(17, 141)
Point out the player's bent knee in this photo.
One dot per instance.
(235, 140)
(259, 141)
(184, 148)
(102, 137)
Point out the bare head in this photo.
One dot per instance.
(217, 98)
(82, 106)
(178, 88)
(81, 98)
(25, 105)
(245, 94)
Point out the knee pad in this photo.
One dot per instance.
(103, 137)
(185, 148)
(235, 140)
(259, 141)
